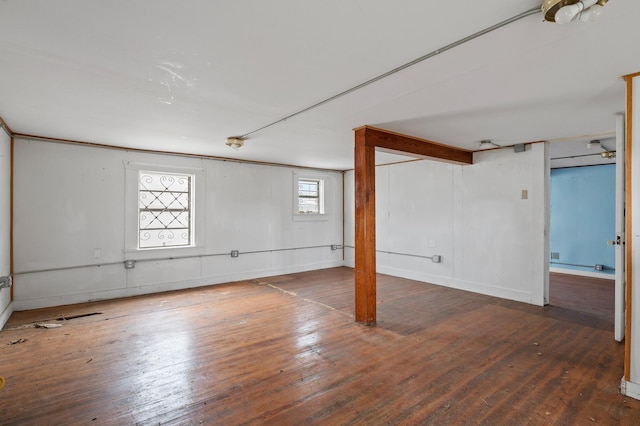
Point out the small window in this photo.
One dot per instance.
(165, 213)
(310, 196)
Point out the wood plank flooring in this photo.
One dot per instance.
(593, 296)
(286, 351)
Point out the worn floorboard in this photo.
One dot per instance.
(286, 351)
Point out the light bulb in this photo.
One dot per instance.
(235, 143)
(568, 13)
(591, 14)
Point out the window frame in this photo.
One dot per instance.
(319, 184)
(132, 224)
(190, 228)
(323, 188)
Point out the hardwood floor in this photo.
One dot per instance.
(286, 351)
(593, 296)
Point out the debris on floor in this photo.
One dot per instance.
(67, 318)
(15, 342)
(47, 325)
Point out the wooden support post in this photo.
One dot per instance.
(365, 232)
(367, 140)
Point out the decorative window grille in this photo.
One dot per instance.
(310, 196)
(164, 206)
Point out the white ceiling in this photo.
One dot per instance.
(184, 76)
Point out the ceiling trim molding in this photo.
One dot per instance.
(172, 153)
(6, 127)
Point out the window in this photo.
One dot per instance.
(164, 209)
(165, 212)
(310, 196)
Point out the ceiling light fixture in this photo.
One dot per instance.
(563, 11)
(606, 154)
(488, 144)
(235, 142)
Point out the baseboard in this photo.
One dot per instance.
(583, 273)
(6, 314)
(630, 389)
(91, 296)
(475, 287)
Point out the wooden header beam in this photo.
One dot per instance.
(387, 141)
(367, 141)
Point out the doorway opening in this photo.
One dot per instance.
(586, 214)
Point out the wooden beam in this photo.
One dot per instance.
(367, 141)
(365, 232)
(384, 140)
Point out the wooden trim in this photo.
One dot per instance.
(174, 153)
(11, 185)
(628, 230)
(6, 127)
(365, 229)
(384, 140)
(343, 206)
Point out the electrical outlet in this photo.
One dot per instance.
(235, 253)
(598, 267)
(5, 282)
(129, 264)
(436, 258)
(555, 255)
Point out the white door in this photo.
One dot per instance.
(619, 327)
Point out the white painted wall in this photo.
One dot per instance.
(6, 307)
(491, 240)
(72, 200)
(632, 388)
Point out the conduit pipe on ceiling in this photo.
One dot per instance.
(400, 68)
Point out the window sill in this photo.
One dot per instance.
(310, 217)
